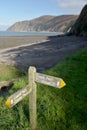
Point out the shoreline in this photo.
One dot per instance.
(13, 41)
(42, 55)
(16, 47)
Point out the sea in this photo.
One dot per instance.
(6, 33)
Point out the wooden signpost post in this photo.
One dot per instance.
(33, 78)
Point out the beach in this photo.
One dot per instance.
(13, 41)
(39, 51)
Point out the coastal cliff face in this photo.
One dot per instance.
(45, 23)
(80, 26)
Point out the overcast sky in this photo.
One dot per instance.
(12, 11)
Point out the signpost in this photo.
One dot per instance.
(33, 78)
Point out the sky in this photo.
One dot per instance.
(12, 11)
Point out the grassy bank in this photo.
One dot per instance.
(57, 109)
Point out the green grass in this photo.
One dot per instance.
(57, 109)
(9, 72)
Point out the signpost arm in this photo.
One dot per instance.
(32, 97)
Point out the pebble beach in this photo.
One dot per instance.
(40, 51)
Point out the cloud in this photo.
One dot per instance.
(73, 6)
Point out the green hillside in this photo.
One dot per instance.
(57, 109)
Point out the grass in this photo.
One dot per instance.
(57, 109)
(9, 72)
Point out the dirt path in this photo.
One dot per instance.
(43, 55)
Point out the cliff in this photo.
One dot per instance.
(80, 26)
(45, 23)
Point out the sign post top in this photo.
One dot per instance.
(39, 78)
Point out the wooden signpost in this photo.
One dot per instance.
(33, 78)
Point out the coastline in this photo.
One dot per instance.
(44, 53)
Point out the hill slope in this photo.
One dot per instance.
(45, 23)
(80, 26)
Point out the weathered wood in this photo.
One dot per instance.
(50, 80)
(32, 97)
(8, 83)
(18, 96)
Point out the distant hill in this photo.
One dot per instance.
(80, 26)
(45, 23)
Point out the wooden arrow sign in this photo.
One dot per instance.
(18, 96)
(50, 80)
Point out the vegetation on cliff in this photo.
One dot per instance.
(80, 26)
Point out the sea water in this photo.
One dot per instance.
(6, 33)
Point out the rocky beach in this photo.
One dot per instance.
(42, 52)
